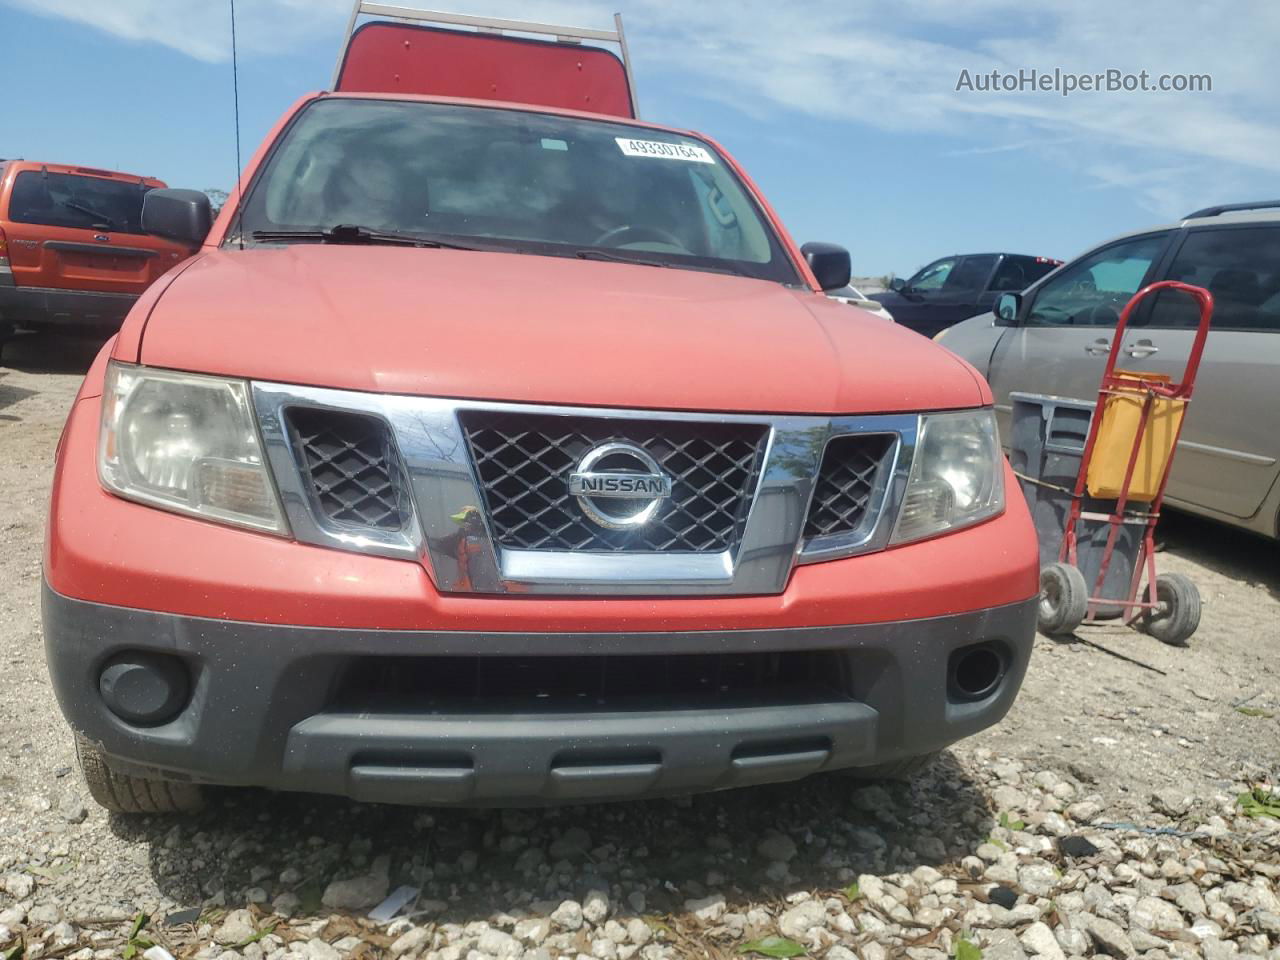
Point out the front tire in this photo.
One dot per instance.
(121, 793)
(1179, 613)
(1064, 600)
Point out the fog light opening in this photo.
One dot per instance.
(976, 672)
(144, 689)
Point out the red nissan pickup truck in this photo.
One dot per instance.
(506, 451)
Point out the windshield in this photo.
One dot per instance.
(69, 200)
(515, 180)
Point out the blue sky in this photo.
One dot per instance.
(846, 114)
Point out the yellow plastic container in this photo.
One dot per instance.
(1121, 414)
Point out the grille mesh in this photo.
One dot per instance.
(353, 469)
(845, 483)
(524, 460)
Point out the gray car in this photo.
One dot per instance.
(1054, 339)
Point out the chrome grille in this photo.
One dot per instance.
(523, 462)
(846, 481)
(351, 464)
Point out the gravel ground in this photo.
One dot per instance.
(1102, 817)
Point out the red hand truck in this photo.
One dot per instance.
(1129, 403)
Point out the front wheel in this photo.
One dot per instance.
(1178, 615)
(121, 793)
(1064, 600)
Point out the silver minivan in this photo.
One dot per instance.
(1054, 339)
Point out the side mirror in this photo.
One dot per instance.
(830, 264)
(897, 284)
(1006, 310)
(182, 215)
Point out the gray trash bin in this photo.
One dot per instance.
(1049, 435)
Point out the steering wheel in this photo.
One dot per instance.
(633, 234)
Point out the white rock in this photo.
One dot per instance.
(1205, 929)
(595, 906)
(615, 932)
(1219, 949)
(707, 909)
(603, 948)
(236, 927)
(841, 952)
(638, 931)
(317, 949)
(1156, 915)
(568, 915)
(873, 951)
(533, 931)
(1039, 939)
(19, 885)
(414, 939)
(1003, 945)
(1109, 937)
(1038, 879)
(1085, 811)
(800, 919)
(498, 943)
(1073, 942)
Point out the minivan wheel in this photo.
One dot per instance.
(121, 793)
(1179, 613)
(1064, 600)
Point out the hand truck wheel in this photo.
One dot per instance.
(1064, 599)
(1179, 613)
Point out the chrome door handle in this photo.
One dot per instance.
(1098, 348)
(1143, 348)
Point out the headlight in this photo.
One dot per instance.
(957, 475)
(187, 443)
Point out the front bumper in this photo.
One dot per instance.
(267, 707)
(85, 310)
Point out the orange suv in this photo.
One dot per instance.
(72, 251)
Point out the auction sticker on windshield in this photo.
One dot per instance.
(663, 151)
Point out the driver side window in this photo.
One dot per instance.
(933, 276)
(1093, 291)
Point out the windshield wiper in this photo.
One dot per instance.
(355, 234)
(89, 211)
(617, 258)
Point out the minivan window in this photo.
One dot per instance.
(72, 200)
(1092, 291)
(1239, 266)
(514, 180)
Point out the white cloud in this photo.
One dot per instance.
(889, 64)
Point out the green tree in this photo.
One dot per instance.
(216, 198)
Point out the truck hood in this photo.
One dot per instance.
(535, 329)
